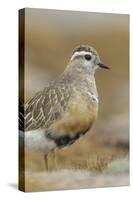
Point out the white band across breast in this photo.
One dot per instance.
(94, 98)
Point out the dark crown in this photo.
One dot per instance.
(85, 48)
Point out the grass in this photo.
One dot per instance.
(117, 174)
(83, 165)
(95, 158)
(80, 156)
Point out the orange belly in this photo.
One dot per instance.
(78, 117)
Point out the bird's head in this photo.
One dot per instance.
(86, 57)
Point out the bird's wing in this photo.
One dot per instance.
(45, 107)
(21, 116)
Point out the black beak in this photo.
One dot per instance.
(103, 66)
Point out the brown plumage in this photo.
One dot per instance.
(59, 105)
(67, 108)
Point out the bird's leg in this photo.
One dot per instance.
(55, 160)
(46, 162)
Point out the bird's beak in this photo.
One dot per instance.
(103, 66)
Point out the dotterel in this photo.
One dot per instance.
(66, 109)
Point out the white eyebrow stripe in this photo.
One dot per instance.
(80, 53)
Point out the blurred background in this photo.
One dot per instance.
(50, 37)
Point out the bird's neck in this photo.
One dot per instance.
(81, 78)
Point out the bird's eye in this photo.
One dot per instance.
(88, 57)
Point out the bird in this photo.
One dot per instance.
(66, 109)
